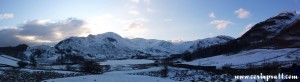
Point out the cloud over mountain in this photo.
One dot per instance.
(35, 32)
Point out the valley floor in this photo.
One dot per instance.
(116, 76)
(143, 70)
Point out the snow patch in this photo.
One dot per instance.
(124, 62)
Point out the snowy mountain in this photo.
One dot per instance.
(282, 27)
(274, 40)
(209, 42)
(280, 31)
(102, 45)
(112, 46)
(43, 53)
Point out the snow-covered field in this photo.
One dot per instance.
(58, 71)
(116, 76)
(124, 70)
(126, 62)
(7, 60)
(251, 56)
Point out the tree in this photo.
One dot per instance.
(76, 58)
(164, 72)
(22, 64)
(33, 61)
(91, 67)
(187, 56)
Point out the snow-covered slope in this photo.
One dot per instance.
(270, 28)
(43, 53)
(8, 61)
(105, 45)
(112, 45)
(209, 42)
(289, 37)
(255, 56)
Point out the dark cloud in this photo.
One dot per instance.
(8, 37)
(36, 32)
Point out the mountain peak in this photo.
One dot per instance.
(271, 27)
(106, 34)
(224, 37)
(288, 13)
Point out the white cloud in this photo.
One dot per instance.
(134, 12)
(138, 1)
(147, 1)
(168, 19)
(141, 19)
(210, 34)
(212, 15)
(135, 1)
(134, 30)
(36, 32)
(247, 27)
(8, 27)
(105, 23)
(150, 10)
(221, 24)
(130, 28)
(53, 31)
(242, 13)
(135, 27)
(6, 16)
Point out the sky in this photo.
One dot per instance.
(46, 22)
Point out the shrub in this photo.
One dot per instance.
(70, 68)
(91, 67)
(187, 58)
(238, 80)
(164, 71)
(250, 65)
(22, 64)
(227, 66)
(33, 61)
(16, 75)
(274, 64)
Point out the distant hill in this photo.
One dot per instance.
(280, 31)
(16, 51)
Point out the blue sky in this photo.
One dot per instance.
(151, 19)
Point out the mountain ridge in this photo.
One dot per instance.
(273, 31)
(110, 45)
